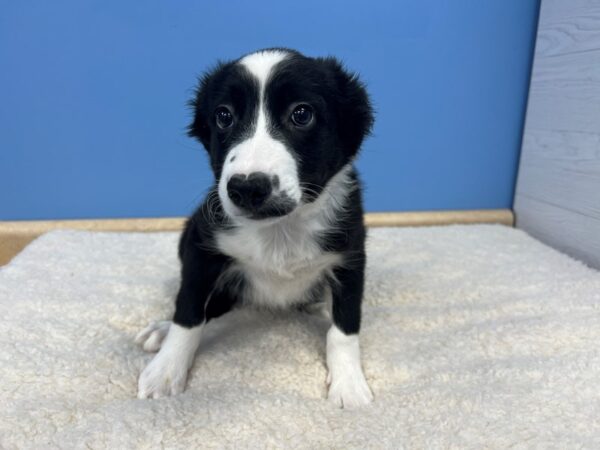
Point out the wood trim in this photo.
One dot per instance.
(429, 218)
(15, 235)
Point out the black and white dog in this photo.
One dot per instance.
(283, 224)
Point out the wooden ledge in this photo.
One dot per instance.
(430, 218)
(15, 235)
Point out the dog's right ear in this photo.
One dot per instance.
(200, 127)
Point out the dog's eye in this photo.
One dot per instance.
(302, 115)
(223, 117)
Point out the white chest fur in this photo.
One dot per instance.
(281, 262)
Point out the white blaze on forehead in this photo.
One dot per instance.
(260, 65)
(261, 152)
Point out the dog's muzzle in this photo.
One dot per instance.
(258, 196)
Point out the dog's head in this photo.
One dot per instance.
(278, 126)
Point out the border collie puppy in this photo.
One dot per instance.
(283, 224)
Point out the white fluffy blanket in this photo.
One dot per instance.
(473, 337)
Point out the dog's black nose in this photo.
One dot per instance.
(249, 192)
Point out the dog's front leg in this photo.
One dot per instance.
(347, 385)
(199, 299)
(167, 372)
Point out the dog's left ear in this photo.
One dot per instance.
(354, 115)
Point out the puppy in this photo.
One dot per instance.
(283, 224)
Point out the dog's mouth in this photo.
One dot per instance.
(256, 197)
(276, 207)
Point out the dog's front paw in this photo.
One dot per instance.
(164, 376)
(349, 389)
(152, 337)
(167, 372)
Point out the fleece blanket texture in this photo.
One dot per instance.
(473, 337)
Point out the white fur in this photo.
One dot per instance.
(282, 259)
(347, 385)
(261, 63)
(260, 152)
(152, 337)
(167, 372)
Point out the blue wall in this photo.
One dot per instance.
(93, 97)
